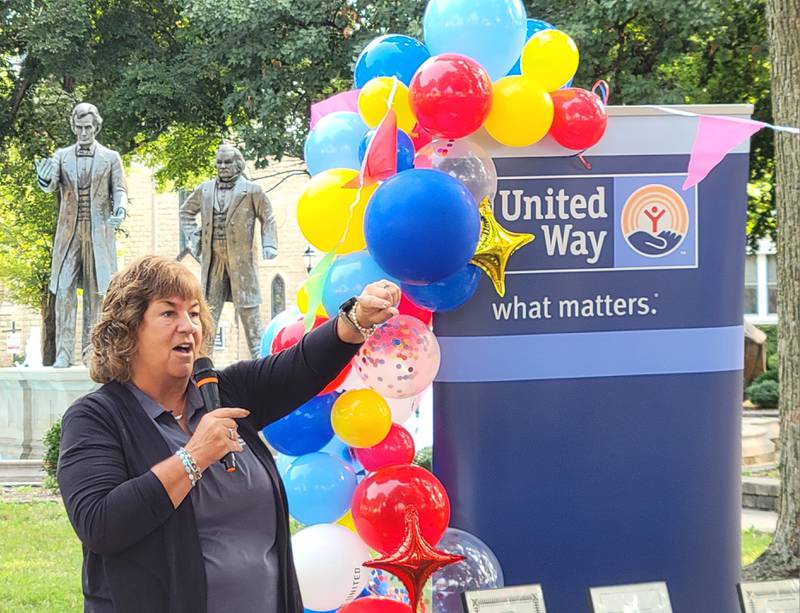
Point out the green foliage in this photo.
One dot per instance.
(772, 339)
(52, 445)
(27, 225)
(183, 156)
(424, 458)
(764, 393)
(769, 375)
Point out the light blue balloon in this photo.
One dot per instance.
(392, 55)
(348, 276)
(489, 31)
(334, 142)
(279, 321)
(338, 449)
(283, 462)
(534, 26)
(319, 488)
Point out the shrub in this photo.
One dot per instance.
(424, 458)
(770, 375)
(52, 443)
(772, 362)
(764, 394)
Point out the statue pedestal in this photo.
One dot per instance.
(31, 399)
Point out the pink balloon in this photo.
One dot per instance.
(400, 359)
(396, 448)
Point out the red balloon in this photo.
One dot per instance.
(372, 604)
(579, 119)
(396, 448)
(382, 498)
(451, 95)
(406, 307)
(415, 559)
(291, 334)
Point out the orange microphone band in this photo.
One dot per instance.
(202, 382)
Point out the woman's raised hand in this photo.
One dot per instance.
(377, 303)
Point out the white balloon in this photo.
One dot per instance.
(328, 559)
(402, 408)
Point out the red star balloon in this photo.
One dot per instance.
(415, 560)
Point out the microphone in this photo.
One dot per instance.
(208, 383)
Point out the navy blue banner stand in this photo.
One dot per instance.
(587, 425)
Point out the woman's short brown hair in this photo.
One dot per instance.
(130, 292)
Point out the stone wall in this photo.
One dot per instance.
(153, 227)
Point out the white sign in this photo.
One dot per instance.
(633, 598)
(770, 596)
(519, 599)
(13, 342)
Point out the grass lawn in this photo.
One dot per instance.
(40, 557)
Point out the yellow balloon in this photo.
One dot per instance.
(346, 520)
(522, 112)
(551, 57)
(324, 208)
(361, 418)
(302, 303)
(373, 102)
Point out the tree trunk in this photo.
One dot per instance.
(48, 310)
(782, 557)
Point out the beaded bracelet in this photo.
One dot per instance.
(189, 466)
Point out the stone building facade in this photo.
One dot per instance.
(153, 226)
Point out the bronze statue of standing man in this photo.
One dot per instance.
(223, 243)
(93, 201)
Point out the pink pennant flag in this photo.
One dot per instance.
(715, 138)
(345, 101)
(380, 160)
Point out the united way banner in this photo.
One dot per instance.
(587, 423)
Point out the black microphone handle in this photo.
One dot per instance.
(210, 394)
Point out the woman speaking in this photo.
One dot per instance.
(164, 527)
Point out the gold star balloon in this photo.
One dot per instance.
(495, 246)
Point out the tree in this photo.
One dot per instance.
(782, 557)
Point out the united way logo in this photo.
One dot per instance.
(654, 220)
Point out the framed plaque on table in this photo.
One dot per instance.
(517, 599)
(770, 596)
(632, 598)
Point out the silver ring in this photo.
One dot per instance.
(232, 434)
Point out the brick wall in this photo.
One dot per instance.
(153, 227)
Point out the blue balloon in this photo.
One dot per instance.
(534, 26)
(348, 276)
(489, 31)
(392, 55)
(448, 294)
(422, 226)
(405, 150)
(306, 429)
(279, 321)
(338, 449)
(334, 142)
(319, 488)
(283, 462)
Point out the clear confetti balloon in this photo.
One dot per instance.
(384, 584)
(479, 571)
(465, 160)
(400, 359)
